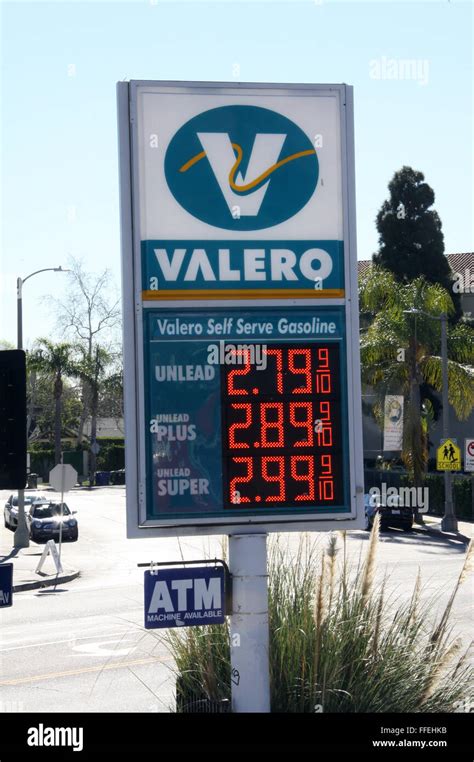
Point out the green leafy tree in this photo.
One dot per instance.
(43, 408)
(93, 373)
(57, 362)
(111, 397)
(400, 354)
(411, 241)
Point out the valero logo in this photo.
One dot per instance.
(241, 167)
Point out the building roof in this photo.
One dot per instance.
(459, 263)
(363, 265)
(106, 427)
(462, 262)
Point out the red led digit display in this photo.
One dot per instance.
(271, 421)
(244, 424)
(299, 363)
(273, 470)
(282, 428)
(242, 357)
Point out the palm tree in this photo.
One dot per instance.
(92, 371)
(400, 354)
(57, 361)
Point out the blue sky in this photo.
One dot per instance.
(61, 60)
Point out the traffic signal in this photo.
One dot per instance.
(12, 419)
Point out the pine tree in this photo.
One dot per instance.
(411, 241)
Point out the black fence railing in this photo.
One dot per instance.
(463, 488)
(198, 704)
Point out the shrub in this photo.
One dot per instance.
(202, 664)
(111, 456)
(462, 489)
(435, 484)
(337, 641)
(462, 495)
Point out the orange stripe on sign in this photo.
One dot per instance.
(278, 293)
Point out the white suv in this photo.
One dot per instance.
(10, 512)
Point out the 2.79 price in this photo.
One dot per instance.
(289, 371)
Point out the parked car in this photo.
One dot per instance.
(371, 506)
(10, 511)
(393, 515)
(44, 522)
(117, 477)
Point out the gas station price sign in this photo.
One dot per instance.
(241, 340)
(244, 429)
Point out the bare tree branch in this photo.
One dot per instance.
(89, 314)
(91, 307)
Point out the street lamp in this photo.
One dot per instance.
(449, 521)
(21, 536)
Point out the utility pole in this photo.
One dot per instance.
(22, 536)
(449, 522)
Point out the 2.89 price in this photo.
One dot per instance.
(280, 424)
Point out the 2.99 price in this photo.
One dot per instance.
(281, 479)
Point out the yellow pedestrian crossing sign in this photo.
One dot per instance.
(448, 456)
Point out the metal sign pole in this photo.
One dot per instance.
(61, 509)
(249, 634)
(22, 535)
(449, 522)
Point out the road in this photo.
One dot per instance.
(82, 646)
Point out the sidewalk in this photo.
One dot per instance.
(432, 525)
(25, 561)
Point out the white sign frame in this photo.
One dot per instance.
(137, 523)
(51, 548)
